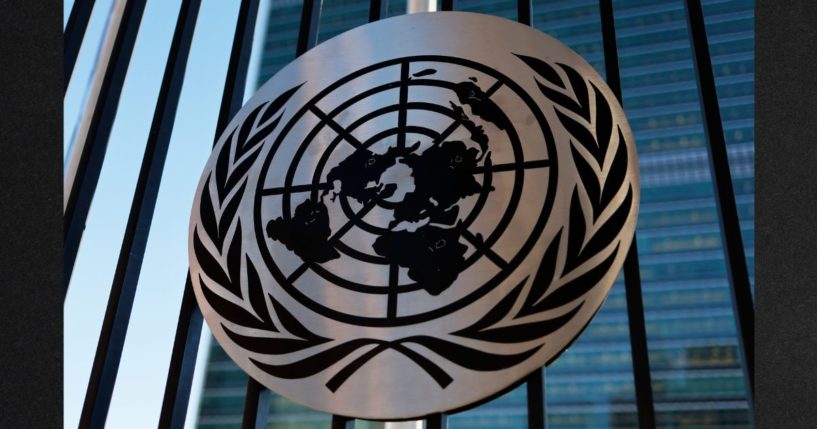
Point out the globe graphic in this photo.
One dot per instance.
(414, 190)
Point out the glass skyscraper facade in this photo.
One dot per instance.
(695, 367)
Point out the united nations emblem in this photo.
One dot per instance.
(414, 215)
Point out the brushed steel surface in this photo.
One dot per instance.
(378, 313)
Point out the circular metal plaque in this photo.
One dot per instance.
(414, 215)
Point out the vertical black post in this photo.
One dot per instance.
(188, 331)
(74, 33)
(535, 383)
(96, 141)
(308, 33)
(182, 362)
(377, 9)
(437, 421)
(340, 422)
(724, 195)
(447, 5)
(256, 406)
(236, 80)
(126, 276)
(632, 276)
(523, 12)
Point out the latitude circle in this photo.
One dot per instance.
(358, 221)
(479, 291)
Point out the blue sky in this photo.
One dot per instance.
(139, 388)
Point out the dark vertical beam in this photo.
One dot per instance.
(96, 141)
(308, 33)
(74, 33)
(535, 384)
(236, 79)
(188, 331)
(447, 5)
(126, 276)
(724, 194)
(340, 422)
(523, 12)
(182, 362)
(377, 9)
(632, 276)
(256, 406)
(437, 421)
(642, 376)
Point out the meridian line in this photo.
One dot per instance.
(391, 307)
(401, 115)
(296, 188)
(343, 230)
(479, 244)
(513, 166)
(448, 131)
(343, 132)
(494, 88)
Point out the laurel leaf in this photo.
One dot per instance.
(579, 87)
(468, 357)
(223, 166)
(575, 234)
(588, 177)
(544, 276)
(559, 98)
(579, 132)
(604, 125)
(208, 264)
(497, 313)
(267, 345)
(543, 69)
(441, 377)
(618, 170)
(293, 326)
(232, 312)
(262, 133)
(244, 131)
(527, 331)
(240, 171)
(256, 294)
(607, 233)
(577, 287)
(234, 259)
(315, 363)
(276, 104)
(208, 215)
(228, 213)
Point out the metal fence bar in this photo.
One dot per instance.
(188, 330)
(377, 9)
(74, 33)
(96, 142)
(535, 385)
(126, 276)
(340, 422)
(256, 406)
(308, 32)
(724, 194)
(182, 362)
(436, 421)
(632, 275)
(524, 12)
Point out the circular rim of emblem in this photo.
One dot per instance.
(333, 267)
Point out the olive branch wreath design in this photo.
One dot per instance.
(227, 183)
